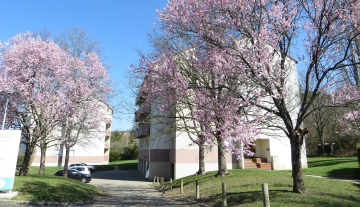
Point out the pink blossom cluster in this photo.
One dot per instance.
(198, 81)
(247, 46)
(238, 61)
(349, 97)
(48, 87)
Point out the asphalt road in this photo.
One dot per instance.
(127, 188)
(121, 188)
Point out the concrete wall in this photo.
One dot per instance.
(280, 153)
(161, 169)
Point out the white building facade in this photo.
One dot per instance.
(94, 150)
(173, 155)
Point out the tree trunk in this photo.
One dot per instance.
(222, 169)
(201, 160)
(322, 145)
(42, 158)
(298, 182)
(60, 158)
(66, 162)
(322, 141)
(24, 169)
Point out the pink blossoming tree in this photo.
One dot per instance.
(50, 88)
(87, 87)
(256, 37)
(190, 88)
(348, 94)
(34, 69)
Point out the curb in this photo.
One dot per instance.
(34, 203)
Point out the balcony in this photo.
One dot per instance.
(140, 98)
(142, 112)
(106, 145)
(142, 131)
(107, 137)
(108, 125)
(137, 116)
(107, 133)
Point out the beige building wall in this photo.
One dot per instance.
(91, 149)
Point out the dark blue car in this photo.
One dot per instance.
(74, 174)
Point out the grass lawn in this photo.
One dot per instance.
(347, 168)
(244, 186)
(122, 165)
(50, 188)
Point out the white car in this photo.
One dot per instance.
(82, 169)
(91, 168)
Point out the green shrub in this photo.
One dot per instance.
(20, 160)
(358, 151)
(115, 154)
(130, 152)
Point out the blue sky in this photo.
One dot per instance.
(120, 25)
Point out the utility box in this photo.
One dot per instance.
(274, 162)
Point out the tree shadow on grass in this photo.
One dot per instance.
(345, 173)
(41, 191)
(277, 198)
(240, 198)
(329, 162)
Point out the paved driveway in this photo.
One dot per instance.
(128, 188)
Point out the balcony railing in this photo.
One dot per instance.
(140, 98)
(142, 131)
(145, 109)
(107, 145)
(142, 112)
(108, 125)
(107, 133)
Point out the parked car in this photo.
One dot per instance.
(74, 174)
(91, 167)
(82, 169)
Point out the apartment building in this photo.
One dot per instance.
(95, 149)
(173, 155)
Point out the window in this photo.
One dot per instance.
(57, 151)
